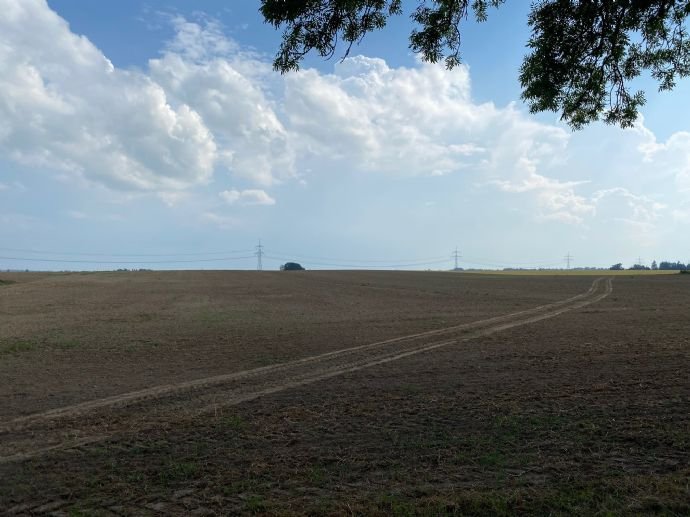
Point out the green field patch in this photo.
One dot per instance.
(231, 422)
(6, 282)
(317, 475)
(59, 341)
(256, 504)
(176, 471)
(18, 346)
(9, 347)
(64, 344)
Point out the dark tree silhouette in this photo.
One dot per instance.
(582, 53)
(291, 266)
(672, 265)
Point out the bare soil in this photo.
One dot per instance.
(92, 335)
(574, 407)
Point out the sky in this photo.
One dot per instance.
(156, 135)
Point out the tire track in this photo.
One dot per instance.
(157, 391)
(97, 420)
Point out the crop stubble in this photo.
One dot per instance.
(375, 436)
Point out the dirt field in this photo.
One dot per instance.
(344, 392)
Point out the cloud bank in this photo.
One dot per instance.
(207, 109)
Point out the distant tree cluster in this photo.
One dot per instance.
(664, 265)
(291, 266)
(673, 265)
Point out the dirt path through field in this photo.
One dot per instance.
(98, 420)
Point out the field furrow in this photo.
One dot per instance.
(97, 420)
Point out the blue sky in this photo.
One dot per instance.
(159, 129)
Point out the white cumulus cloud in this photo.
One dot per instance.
(247, 197)
(406, 121)
(63, 105)
(670, 158)
(206, 111)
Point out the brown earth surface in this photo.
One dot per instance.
(522, 394)
(91, 335)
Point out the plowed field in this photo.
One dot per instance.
(343, 392)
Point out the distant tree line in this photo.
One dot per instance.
(673, 265)
(663, 265)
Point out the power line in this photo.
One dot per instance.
(506, 265)
(341, 259)
(364, 266)
(86, 254)
(568, 258)
(456, 256)
(260, 261)
(72, 261)
(491, 262)
(259, 254)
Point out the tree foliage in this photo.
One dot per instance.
(666, 265)
(582, 57)
(291, 266)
